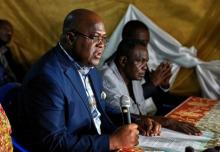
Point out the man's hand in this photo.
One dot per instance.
(185, 127)
(124, 137)
(162, 75)
(148, 127)
(180, 126)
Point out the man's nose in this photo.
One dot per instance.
(8, 31)
(100, 43)
(145, 66)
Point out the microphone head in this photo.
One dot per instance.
(125, 101)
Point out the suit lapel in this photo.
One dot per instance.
(106, 122)
(77, 83)
(72, 74)
(94, 83)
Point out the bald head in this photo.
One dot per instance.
(4, 22)
(84, 36)
(80, 18)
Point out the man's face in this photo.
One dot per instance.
(89, 48)
(6, 32)
(136, 65)
(142, 35)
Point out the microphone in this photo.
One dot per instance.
(125, 105)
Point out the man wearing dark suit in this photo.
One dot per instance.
(156, 81)
(60, 107)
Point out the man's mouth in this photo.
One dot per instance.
(98, 55)
(142, 74)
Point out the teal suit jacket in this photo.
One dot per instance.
(53, 108)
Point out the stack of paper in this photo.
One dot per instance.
(173, 141)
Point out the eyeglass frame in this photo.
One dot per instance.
(95, 39)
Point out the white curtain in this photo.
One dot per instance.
(163, 47)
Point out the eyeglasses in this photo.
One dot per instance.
(95, 39)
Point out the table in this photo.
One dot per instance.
(204, 113)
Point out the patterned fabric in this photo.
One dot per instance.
(204, 113)
(5, 131)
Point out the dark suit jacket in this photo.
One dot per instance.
(165, 101)
(53, 113)
(149, 88)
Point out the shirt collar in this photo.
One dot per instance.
(84, 70)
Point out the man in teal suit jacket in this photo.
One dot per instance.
(61, 108)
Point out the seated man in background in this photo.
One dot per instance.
(156, 81)
(10, 70)
(60, 107)
(123, 76)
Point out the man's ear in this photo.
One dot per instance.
(71, 37)
(123, 60)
